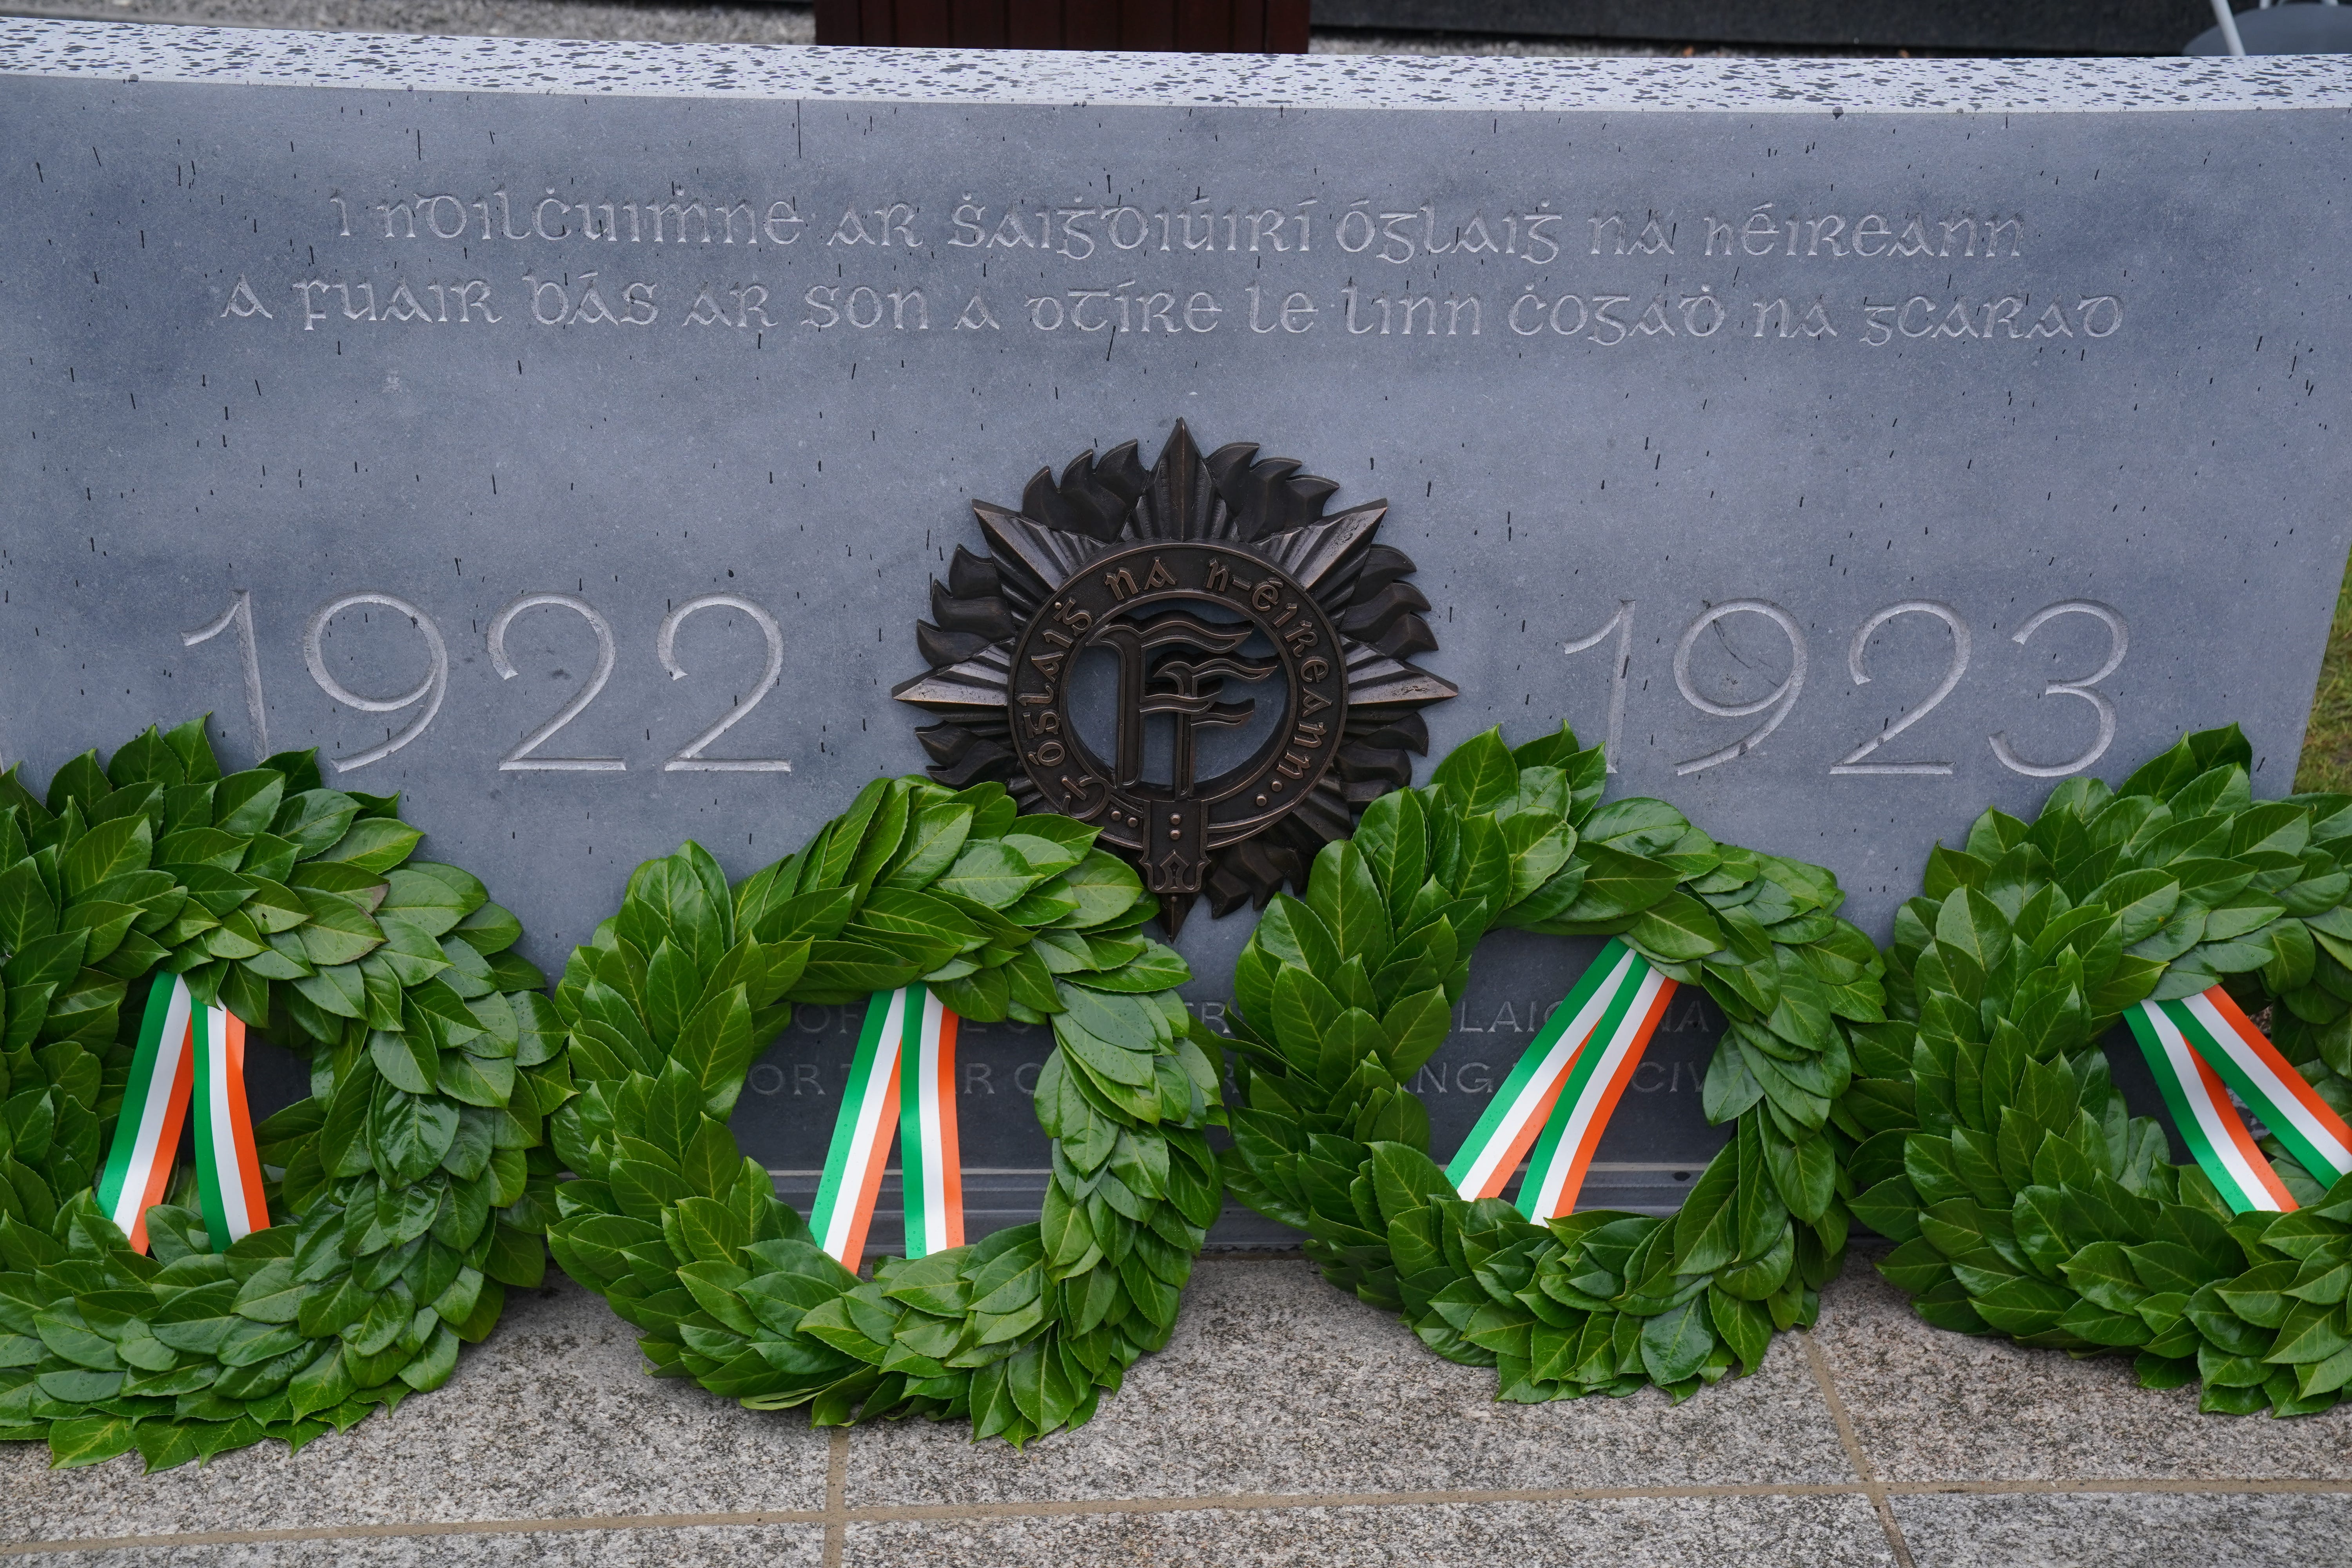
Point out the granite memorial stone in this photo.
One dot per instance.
(570, 436)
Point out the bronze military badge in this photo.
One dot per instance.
(1194, 659)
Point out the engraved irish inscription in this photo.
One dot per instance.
(1272, 269)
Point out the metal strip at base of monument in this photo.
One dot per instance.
(2201, 1048)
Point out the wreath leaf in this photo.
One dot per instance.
(2028, 1201)
(1331, 1141)
(409, 1186)
(1000, 915)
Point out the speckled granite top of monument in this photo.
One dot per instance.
(259, 56)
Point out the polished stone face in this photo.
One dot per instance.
(1849, 472)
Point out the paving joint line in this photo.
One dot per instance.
(836, 1495)
(2236, 1487)
(1234, 1502)
(1872, 1487)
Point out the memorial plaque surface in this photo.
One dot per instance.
(567, 436)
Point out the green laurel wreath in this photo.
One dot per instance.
(1996, 1151)
(1003, 916)
(412, 1185)
(1344, 995)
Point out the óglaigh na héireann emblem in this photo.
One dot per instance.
(1191, 657)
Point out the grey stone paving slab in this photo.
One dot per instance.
(1722, 1532)
(1276, 1382)
(2128, 1529)
(769, 1546)
(1932, 1405)
(551, 1417)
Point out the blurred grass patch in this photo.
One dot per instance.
(2326, 762)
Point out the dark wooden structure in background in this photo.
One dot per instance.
(1965, 27)
(1202, 26)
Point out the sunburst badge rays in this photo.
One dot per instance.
(1203, 592)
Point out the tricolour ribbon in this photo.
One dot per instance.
(186, 1055)
(1595, 1083)
(903, 1079)
(1559, 1095)
(2198, 1048)
(932, 1162)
